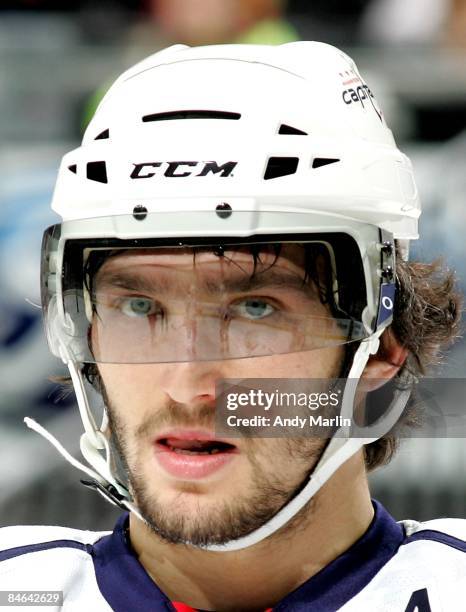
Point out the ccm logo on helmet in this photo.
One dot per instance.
(179, 169)
(361, 93)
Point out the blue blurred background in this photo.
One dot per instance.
(56, 60)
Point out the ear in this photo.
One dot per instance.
(386, 362)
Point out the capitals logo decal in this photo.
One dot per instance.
(357, 91)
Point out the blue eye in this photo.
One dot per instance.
(138, 307)
(254, 308)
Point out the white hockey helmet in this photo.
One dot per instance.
(234, 144)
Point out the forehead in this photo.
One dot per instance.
(221, 261)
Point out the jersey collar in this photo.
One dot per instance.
(126, 585)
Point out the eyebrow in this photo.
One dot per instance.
(267, 279)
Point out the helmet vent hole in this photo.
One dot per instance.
(288, 129)
(97, 171)
(318, 162)
(103, 135)
(280, 166)
(73, 168)
(191, 114)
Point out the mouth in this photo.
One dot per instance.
(196, 447)
(193, 454)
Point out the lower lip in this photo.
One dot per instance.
(192, 467)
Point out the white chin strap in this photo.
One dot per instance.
(340, 449)
(94, 445)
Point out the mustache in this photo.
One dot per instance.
(174, 414)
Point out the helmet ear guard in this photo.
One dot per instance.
(319, 161)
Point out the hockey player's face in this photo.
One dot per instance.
(188, 484)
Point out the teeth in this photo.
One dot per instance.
(185, 451)
(196, 447)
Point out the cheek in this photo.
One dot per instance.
(286, 459)
(131, 386)
(321, 363)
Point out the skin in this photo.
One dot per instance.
(143, 399)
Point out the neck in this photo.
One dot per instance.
(259, 576)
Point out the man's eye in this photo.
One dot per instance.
(138, 307)
(253, 308)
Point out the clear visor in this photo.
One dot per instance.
(214, 302)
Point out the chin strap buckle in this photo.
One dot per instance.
(108, 491)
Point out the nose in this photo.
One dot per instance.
(191, 382)
(193, 337)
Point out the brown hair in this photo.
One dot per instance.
(426, 320)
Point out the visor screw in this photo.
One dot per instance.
(387, 273)
(140, 212)
(223, 210)
(387, 247)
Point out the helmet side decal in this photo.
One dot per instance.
(359, 91)
(387, 303)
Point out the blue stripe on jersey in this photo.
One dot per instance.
(10, 553)
(437, 536)
(121, 578)
(349, 573)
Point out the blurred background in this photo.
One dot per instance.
(56, 61)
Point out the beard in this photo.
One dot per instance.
(178, 522)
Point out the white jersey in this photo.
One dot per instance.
(393, 567)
